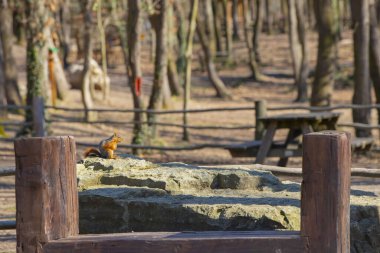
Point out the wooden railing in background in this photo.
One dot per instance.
(258, 110)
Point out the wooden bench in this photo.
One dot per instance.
(251, 148)
(278, 148)
(362, 143)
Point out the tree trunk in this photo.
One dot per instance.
(248, 41)
(236, 34)
(294, 41)
(269, 16)
(9, 65)
(159, 23)
(302, 94)
(134, 26)
(227, 5)
(298, 48)
(166, 101)
(173, 78)
(102, 37)
(86, 82)
(189, 52)
(181, 34)
(19, 22)
(327, 23)
(3, 98)
(362, 88)
(375, 53)
(65, 19)
(311, 20)
(36, 57)
(258, 27)
(218, 14)
(207, 40)
(284, 12)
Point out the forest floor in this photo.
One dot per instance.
(277, 89)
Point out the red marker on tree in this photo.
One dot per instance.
(138, 86)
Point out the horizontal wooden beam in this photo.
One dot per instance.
(167, 242)
(287, 171)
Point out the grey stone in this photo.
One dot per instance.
(132, 194)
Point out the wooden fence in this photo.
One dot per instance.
(47, 207)
(260, 109)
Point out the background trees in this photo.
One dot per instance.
(11, 88)
(92, 29)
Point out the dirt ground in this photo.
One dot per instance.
(278, 90)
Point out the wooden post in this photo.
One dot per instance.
(46, 191)
(325, 194)
(38, 117)
(260, 111)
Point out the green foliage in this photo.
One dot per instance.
(2, 131)
(34, 70)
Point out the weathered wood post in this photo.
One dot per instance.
(46, 191)
(325, 195)
(38, 109)
(260, 111)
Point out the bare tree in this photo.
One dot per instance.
(189, 51)
(269, 16)
(86, 82)
(258, 27)
(133, 63)
(3, 99)
(19, 21)
(102, 36)
(228, 25)
(362, 88)
(298, 47)
(235, 5)
(180, 14)
(375, 52)
(159, 23)
(328, 31)
(65, 18)
(207, 39)
(37, 33)
(173, 77)
(217, 8)
(9, 65)
(249, 38)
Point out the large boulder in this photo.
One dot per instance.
(97, 80)
(131, 194)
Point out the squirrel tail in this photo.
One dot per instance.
(91, 152)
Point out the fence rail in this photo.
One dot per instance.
(78, 120)
(243, 108)
(59, 119)
(246, 108)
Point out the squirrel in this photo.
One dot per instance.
(106, 148)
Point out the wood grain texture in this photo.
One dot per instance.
(46, 191)
(38, 117)
(186, 242)
(261, 111)
(325, 195)
(266, 144)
